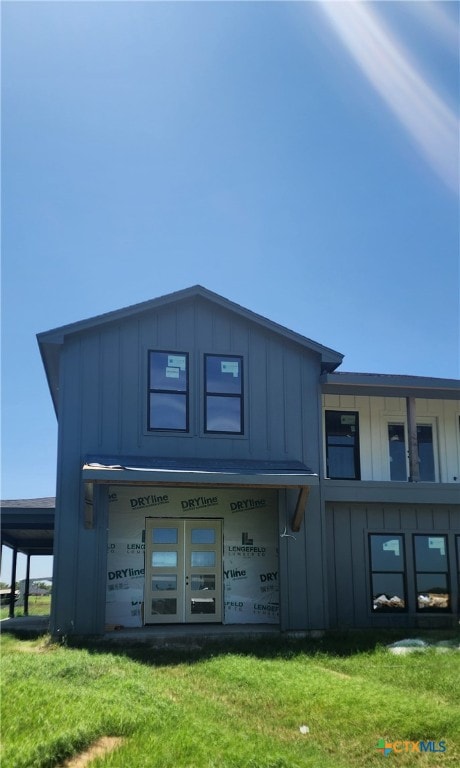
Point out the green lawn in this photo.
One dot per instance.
(237, 705)
(38, 606)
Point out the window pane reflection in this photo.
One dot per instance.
(387, 591)
(203, 605)
(164, 559)
(164, 583)
(397, 450)
(164, 536)
(223, 414)
(223, 374)
(203, 535)
(168, 371)
(203, 581)
(164, 606)
(168, 411)
(203, 559)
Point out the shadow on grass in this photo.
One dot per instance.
(194, 650)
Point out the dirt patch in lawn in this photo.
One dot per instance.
(100, 747)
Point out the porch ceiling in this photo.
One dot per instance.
(27, 525)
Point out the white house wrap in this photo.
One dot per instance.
(250, 548)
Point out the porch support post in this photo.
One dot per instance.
(300, 508)
(13, 583)
(414, 461)
(26, 587)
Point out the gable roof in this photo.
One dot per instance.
(50, 342)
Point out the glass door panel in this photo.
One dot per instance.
(183, 571)
(164, 571)
(397, 451)
(203, 581)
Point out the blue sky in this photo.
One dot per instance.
(298, 158)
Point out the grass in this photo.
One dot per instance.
(39, 605)
(238, 705)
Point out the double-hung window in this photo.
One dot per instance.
(168, 391)
(342, 445)
(387, 572)
(431, 573)
(427, 578)
(223, 394)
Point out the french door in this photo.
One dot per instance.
(183, 571)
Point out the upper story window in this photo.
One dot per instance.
(223, 394)
(168, 391)
(398, 452)
(342, 445)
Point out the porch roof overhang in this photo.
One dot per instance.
(27, 525)
(226, 473)
(117, 470)
(389, 385)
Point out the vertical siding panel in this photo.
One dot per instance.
(133, 373)
(167, 328)
(408, 518)
(344, 583)
(454, 521)
(347, 401)
(292, 395)
(110, 375)
(380, 463)
(359, 566)
(240, 345)
(221, 333)
(186, 342)
(365, 438)
(257, 403)
(68, 492)
(392, 518)
(204, 333)
(299, 609)
(275, 420)
(441, 519)
(186, 328)
(315, 563)
(375, 518)
(331, 565)
(311, 413)
(90, 372)
(424, 519)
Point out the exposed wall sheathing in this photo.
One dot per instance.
(250, 548)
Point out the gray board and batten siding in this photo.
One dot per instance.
(97, 372)
(349, 525)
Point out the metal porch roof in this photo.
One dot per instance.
(28, 525)
(389, 385)
(187, 471)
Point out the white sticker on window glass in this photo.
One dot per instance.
(391, 546)
(437, 542)
(230, 366)
(172, 373)
(177, 361)
(347, 418)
